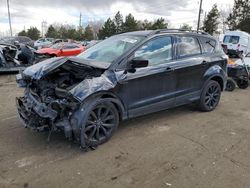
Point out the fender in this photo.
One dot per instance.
(110, 96)
(215, 72)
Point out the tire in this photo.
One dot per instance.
(231, 85)
(210, 96)
(101, 119)
(243, 84)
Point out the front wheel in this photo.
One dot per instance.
(210, 96)
(100, 123)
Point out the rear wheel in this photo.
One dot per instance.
(101, 121)
(210, 96)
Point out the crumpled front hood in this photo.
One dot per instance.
(105, 82)
(41, 69)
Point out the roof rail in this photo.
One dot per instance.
(158, 31)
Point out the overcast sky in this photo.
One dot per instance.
(26, 13)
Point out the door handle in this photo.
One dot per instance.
(204, 63)
(169, 69)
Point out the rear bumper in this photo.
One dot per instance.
(232, 52)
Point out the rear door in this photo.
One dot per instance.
(151, 88)
(190, 68)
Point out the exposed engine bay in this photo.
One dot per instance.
(47, 103)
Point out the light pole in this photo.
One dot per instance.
(199, 16)
(8, 5)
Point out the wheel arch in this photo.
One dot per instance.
(219, 80)
(217, 74)
(110, 96)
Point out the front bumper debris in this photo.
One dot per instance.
(34, 114)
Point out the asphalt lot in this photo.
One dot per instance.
(175, 148)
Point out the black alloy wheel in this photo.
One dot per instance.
(210, 96)
(102, 121)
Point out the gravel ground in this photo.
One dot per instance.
(175, 148)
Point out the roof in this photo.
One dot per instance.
(236, 32)
(140, 33)
(165, 31)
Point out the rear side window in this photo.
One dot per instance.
(208, 45)
(188, 46)
(156, 51)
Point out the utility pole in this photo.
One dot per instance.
(80, 21)
(44, 28)
(8, 5)
(199, 16)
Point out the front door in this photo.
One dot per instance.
(152, 88)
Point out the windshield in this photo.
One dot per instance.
(110, 49)
(231, 39)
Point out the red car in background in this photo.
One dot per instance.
(62, 49)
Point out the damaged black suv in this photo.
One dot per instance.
(122, 77)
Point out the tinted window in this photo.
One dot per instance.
(208, 45)
(41, 40)
(24, 39)
(156, 51)
(231, 39)
(188, 46)
(70, 47)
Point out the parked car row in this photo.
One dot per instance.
(14, 58)
(62, 49)
(21, 39)
(122, 77)
(23, 55)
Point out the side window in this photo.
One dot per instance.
(208, 45)
(188, 46)
(70, 47)
(25, 39)
(156, 51)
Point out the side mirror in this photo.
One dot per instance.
(138, 63)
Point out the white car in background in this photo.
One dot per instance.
(246, 60)
(43, 42)
(237, 41)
